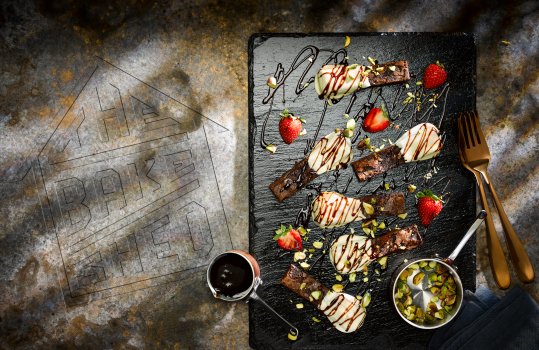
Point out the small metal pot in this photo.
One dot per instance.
(421, 294)
(250, 292)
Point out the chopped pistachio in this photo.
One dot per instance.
(302, 286)
(380, 69)
(272, 148)
(367, 230)
(383, 262)
(303, 132)
(392, 68)
(351, 124)
(318, 245)
(382, 225)
(411, 188)
(403, 215)
(348, 133)
(316, 294)
(419, 82)
(302, 231)
(386, 186)
(346, 115)
(292, 337)
(369, 209)
(352, 277)
(338, 278)
(418, 278)
(299, 256)
(299, 306)
(346, 41)
(337, 288)
(304, 265)
(366, 299)
(366, 279)
(371, 60)
(316, 319)
(505, 42)
(414, 267)
(272, 82)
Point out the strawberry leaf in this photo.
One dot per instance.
(384, 111)
(286, 113)
(428, 193)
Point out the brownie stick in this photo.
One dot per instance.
(344, 311)
(389, 73)
(377, 163)
(420, 143)
(303, 284)
(293, 180)
(350, 252)
(332, 209)
(334, 81)
(331, 152)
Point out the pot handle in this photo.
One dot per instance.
(293, 330)
(478, 221)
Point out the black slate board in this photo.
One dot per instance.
(383, 327)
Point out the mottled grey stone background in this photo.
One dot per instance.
(186, 64)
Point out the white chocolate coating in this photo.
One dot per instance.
(349, 253)
(332, 209)
(333, 82)
(344, 311)
(330, 153)
(421, 142)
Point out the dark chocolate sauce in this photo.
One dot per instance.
(231, 275)
(358, 106)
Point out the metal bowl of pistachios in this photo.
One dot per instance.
(427, 293)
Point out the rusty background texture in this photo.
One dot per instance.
(121, 119)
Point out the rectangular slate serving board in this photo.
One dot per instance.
(383, 327)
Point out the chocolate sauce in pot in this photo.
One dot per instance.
(231, 275)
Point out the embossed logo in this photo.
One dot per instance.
(127, 183)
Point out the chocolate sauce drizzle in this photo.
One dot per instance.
(358, 105)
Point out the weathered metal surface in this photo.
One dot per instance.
(196, 53)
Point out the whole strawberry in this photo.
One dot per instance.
(429, 206)
(376, 120)
(290, 126)
(434, 76)
(288, 238)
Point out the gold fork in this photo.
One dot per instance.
(477, 156)
(498, 263)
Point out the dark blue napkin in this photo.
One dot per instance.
(485, 322)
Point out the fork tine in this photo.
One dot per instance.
(478, 131)
(464, 130)
(469, 130)
(461, 139)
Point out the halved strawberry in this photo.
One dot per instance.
(290, 126)
(376, 120)
(288, 238)
(429, 206)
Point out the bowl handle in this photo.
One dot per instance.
(478, 221)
